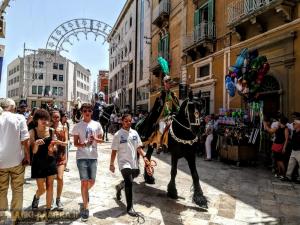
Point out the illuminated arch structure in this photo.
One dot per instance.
(66, 32)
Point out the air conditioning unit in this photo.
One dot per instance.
(2, 28)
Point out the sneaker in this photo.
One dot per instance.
(282, 178)
(276, 175)
(84, 215)
(118, 193)
(35, 202)
(67, 169)
(59, 205)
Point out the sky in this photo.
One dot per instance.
(32, 22)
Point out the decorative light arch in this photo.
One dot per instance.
(62, 34)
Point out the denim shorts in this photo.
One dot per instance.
(87, 168)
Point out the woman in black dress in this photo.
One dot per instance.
(43, 169)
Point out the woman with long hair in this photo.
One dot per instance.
(61, 134)
(66, 125)
(280, 143)
(43, 167)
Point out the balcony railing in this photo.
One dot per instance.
(240, 9)
(205, 31)
(161, 11)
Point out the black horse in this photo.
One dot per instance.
(104, 117)
(183, 138)
(182, 141)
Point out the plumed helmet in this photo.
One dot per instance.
(101, 95)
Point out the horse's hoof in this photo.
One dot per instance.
(149, 180)
(172, 195)
(200, 201)
(172, 192)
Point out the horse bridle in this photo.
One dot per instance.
(197, 123)
(105, 115)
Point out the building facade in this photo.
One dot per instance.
(102, 82)
(47, 78)
(218, 30)
(166, 42)
(130, 47)
(122, 57)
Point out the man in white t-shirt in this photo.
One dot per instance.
(127, 144)
(87, 133)
(14, 135)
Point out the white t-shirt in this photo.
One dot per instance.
(126, 143)
(84, 131)
(13, 130)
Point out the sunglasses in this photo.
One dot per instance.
(87, 110)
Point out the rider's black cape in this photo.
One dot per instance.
(96, 112)
(148, 125)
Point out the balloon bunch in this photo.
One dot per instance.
(247, 74)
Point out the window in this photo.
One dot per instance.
(54, 91)
(46, 91)
(15, 80)
(129, 46)
(130, 21)
(18, 68)
(203, 71)
(61, 66)
(54, 77)
(8, 94)
(33, 104)
(41, 64)
(78, 83)
(60, 91)
(34, 90)
(61, 78)
(41, 76)
(55, 66)
(15, 69)
(40, 90)
(18, 78)
(130, 72)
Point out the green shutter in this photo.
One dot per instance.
(211, 10)
(196, 17)
(167, 47)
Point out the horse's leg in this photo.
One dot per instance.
(106, 131)
(198, 196)
(149, 179)
(172, 191)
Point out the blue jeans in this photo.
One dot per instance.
(87, 168)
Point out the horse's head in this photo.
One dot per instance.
(190, 112)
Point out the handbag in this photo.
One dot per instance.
(277, 147)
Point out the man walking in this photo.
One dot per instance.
(87, 133)
(14, 135)
(127, 144)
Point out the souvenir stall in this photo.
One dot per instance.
(239, 130)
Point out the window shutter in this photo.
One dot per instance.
(211, 10)
(167, 45)
(196, 17)
(159, 46)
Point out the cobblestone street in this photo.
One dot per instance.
(237, 195)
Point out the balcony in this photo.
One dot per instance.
(240, 11)
(202, 38)
(155, 67)
(161, 13)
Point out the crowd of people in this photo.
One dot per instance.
(43, 141)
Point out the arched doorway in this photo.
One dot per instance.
(270, 95)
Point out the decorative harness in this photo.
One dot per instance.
(197, 123)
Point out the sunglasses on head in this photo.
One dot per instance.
(87, 110)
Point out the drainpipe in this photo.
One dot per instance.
(135, 55)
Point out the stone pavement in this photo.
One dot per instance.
(237, 196)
